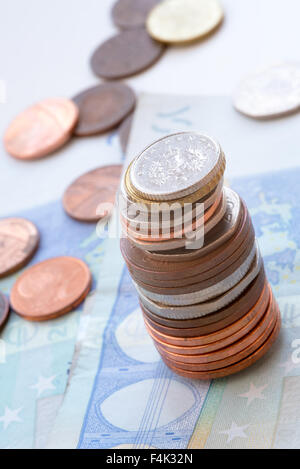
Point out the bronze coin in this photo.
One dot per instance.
(227, 335)
(19, 239)
(198, 354)
(51, 288)
(237, 367)
(129, 14)
(126, 54)
(103, 107)
(41, 129)
(4, 310)
(91, 197)
(124, 132)
(211, 322)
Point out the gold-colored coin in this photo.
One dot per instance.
(180, 21)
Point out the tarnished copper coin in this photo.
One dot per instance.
(92, 196)
(41, 129)
(4, 310)
(129, 14)
(126, 54)
(51, 288)
(19, 239)
(103, 107)
(124, 132)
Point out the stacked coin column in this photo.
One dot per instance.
(191, 251)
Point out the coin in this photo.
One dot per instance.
(271, 92)
(126, 54)
(4, 310)
(176, 166)
(51, 288)
(124, 132)
(103, 107)
(41, 129)
(19, 239)
(237, 367)
(92, 196)
(129, 14)
(175, 21)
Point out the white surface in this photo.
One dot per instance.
(45, 48)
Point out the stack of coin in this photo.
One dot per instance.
(190, 248)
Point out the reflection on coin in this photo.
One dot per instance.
(124, 132)
(126, 54)
(41, 129)
(129, 14)
(51, 288)
(19, 239)
(89, 197)
(271, 92)
(103, 107)
(4, 310)
(177, 21)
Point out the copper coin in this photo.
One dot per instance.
(126, 54)
(198, 354)
(212, 322)
(129, 14)
(237, 367)
(103, 107)
(92, 195)
(41, 129)
(124, 132)
(51, 288)
(19, 239)
(4, 310)
(227, 335)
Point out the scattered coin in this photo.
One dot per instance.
(19, 239)
(175, 21)
(41, 129)
(124, 132)
(4, 310)
(92, 196)
(129, 14)
(271, 92)
(51, 288)
(103, 107)
(126, 54)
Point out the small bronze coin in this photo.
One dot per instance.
(41, 129)
(19, 239)
(126, 54)
(103, 107)
(129, 14)
(124, 132)
(91, 197)
(51, 288)
(4, 310)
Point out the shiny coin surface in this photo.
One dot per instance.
(271, 92)
(51, 288)
(177, 21)
(19, 239)
(124, 132)
(176, 166)
(126, 54)
(89, 197)
(41, 129)
(4, 310)
(103, 107)
(129, 14)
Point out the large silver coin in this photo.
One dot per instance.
(176, 166)
(271, 92)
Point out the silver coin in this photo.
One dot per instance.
(271, 92)
(175, 166)
(208, 307)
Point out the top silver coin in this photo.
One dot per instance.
(175, 166)
(271, 92)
